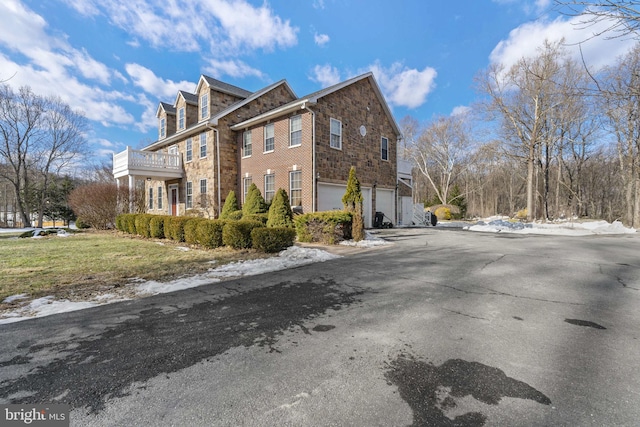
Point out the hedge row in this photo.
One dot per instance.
(211, 234)
(329, 227)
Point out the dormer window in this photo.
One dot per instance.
(163, 127)
(204, 106)
(181, 118)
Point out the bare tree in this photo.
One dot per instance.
(440, 152)
(620, 96)
(38, 136)
(523, 98)
(621, 17)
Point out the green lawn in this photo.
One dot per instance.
(54, 265)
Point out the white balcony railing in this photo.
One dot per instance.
(147, 163)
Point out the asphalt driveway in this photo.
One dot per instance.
(444, 327)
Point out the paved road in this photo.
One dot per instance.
(444, 327)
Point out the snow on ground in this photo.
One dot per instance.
(369, 241)
(291, 257)
(567, 228)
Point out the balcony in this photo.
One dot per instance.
(147, 164)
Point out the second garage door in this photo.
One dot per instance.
(330, 198)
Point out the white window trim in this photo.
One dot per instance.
(182, 117)
(204, 106)
(203, 136)
(159, 197)
(330, 134)
(245, 187)
(188, 199)
(273, 193)
(291, 187)
(163, 128)
(291, 131)
(382, 138)
(264, 145)
(187, 150)
(246, 132)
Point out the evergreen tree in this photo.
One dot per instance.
(280, 214)
(352, 201)
(230, 205)
(254, 204)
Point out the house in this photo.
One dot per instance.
(224, 138)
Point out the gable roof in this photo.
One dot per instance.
(167, 108)
(213, 121)
(313, 98)
(189, 98)
(222, 87)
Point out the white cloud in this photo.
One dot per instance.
(321, 39)
(52, 67)
(232, 67)
(222, 26)
(318, 4)
(405, 87)
(326, 75)
(148, 81)
(460, 110)
(524, 41)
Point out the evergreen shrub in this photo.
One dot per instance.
(237, 234)
(272, 239)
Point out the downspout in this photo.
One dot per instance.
(313, 154)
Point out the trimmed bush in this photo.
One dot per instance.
(130, 223)
(142, 225)
(230, 206)
(156, 226)
(280, 214)
(237, 234)
(175, 230)
(254, 202)
(191, 230)
(235, 216)
(210, 233)
(272, 239)
(259, 217)
(119, 223)
(329, 227)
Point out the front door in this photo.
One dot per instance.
(173, 192)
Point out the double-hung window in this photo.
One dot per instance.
(246, 144)
(203, 145)
(336, 134)
(295, 131)
(204, 106)
(384, 148)
(269, 187)
(189, 193)
(269, 140)
(246, 183)
(189, 150)
(203, 193)
(295, 188)
(181, 118)
(150, 198)
(163, 127)
(159, 197)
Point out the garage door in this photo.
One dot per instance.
(330, 198)
(385, 202)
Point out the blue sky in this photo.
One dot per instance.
(117, 59)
